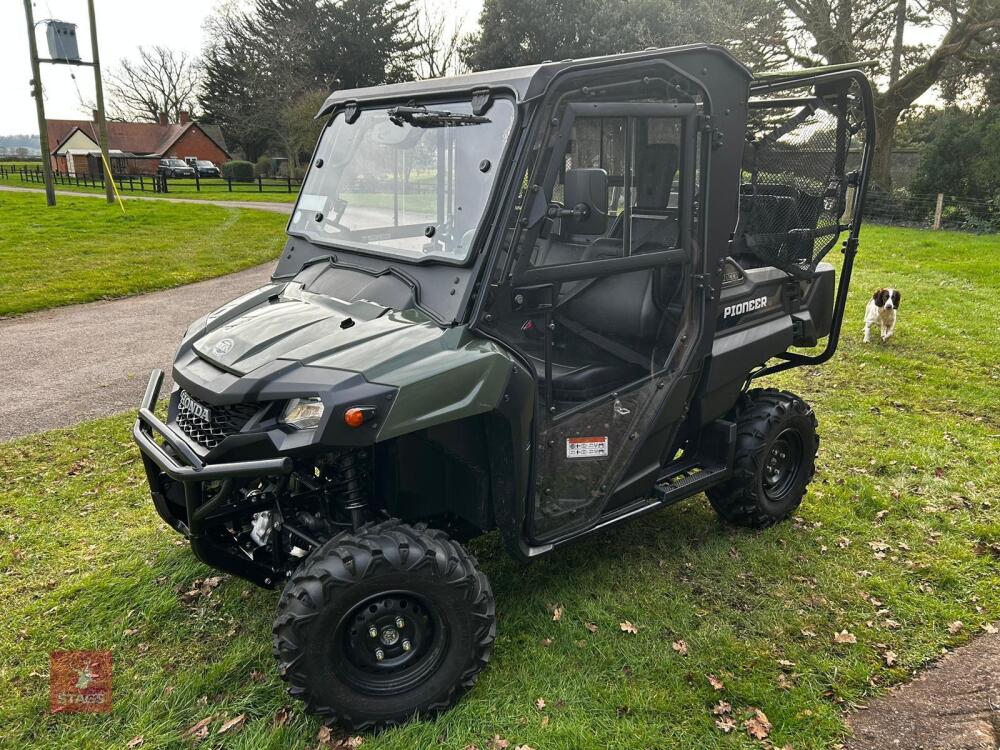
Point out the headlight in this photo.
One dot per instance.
(303, 413)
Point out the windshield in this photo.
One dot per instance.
(176, 163)
(205, 163)
(405, 181)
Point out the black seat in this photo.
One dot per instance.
(581, 380)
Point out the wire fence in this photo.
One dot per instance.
(902, 207)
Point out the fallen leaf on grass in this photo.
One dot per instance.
(557, 612)
(257, 676)
(592, 627)
(785, 682)
(680, 647)
(546, 642)
(891, 624)
(497, 743)
(758, 726)
(524, 747)
(785, 664)
(199, 730)
(135, 742)
(726, 724)
(844, 637)
(327, 737)
(889, 656)
(282, 715)
(721, 708)
(808, 633)
(628, 627)
(545, 721)
(201, 587)
(955, 627)
(539, 703)
(991, 629)
(234, 723)
(715, 682)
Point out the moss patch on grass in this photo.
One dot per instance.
(897, 539)
(84, 249)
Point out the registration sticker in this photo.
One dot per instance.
(586, 447)
(312, 202)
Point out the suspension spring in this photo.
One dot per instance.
(347, 485)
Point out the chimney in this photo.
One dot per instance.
(184, 117)
(163, 118)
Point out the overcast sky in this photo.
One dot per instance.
(122, 26)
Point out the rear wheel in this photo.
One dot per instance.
(776, 445)
(384, 624)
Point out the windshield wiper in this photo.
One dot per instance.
(422, 117)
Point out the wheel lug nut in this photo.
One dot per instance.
(379, 654)
(373, 631)
(406, 646)
(399, 622)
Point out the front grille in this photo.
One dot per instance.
(221, 421)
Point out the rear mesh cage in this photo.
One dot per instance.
(795, 180)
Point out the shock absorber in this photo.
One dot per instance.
(347, 484)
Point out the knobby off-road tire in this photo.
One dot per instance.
(776, 445)
(368, 582)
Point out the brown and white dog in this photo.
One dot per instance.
(882, 309)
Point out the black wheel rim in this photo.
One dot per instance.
(782, 466)
(390, 642)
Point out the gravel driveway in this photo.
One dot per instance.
(59, 367)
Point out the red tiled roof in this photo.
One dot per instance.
(131, 137)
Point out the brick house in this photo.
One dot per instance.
(133, 147)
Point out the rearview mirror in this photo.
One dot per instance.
(586, 200)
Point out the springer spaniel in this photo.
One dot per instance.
(882, 309)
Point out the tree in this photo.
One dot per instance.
(436, 46)
(522, 32)
(160, 80)
(847, 31)
(263, 62)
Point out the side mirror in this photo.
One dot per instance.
(586, 200)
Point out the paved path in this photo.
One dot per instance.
(61, 366)
(278, 208)
(952, 705)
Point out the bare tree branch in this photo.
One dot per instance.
(160, 80)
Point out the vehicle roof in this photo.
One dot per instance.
(525, 81)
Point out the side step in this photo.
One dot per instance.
(689, 480)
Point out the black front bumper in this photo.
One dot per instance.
(181, 464)
(148, 426)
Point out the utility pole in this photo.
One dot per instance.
(102, 123)
(36, 84)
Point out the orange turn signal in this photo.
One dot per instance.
(358, 415)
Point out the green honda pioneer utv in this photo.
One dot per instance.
(530, 300)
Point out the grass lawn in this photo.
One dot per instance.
(84, 249)
(898, 538)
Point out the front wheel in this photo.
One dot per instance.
(384, 624)
(776, 445)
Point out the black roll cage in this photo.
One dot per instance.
(850, 244)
